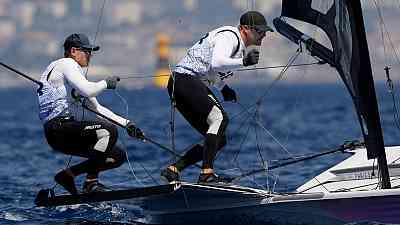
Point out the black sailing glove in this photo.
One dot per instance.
(229, 94)
(134, 131)
(112, 82)
(251, 58)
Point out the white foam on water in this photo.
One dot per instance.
(64, 208)
(13, 217)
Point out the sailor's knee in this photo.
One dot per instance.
(107, 137)
(117, 157)
(217, 121)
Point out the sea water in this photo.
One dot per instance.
(288, 121)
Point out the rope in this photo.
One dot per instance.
(342, 148)
(140, 76)
(269, 87)
(256, 114)
(389, 82)
(173, 112)
(258, 103)
(99, 21)
(385, 30)
(123, 142)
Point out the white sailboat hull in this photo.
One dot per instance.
(347, 192)
(196, 204)
(355, 173)
(337, 196)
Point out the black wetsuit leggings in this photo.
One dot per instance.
(195, 101)
(94, 140)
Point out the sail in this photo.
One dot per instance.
(343, 23)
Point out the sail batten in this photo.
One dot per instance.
(344, 25)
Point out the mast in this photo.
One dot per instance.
(368, 103)
(344, 25)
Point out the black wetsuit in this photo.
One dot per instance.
(196, 102)
(78, 138)
(63, 81)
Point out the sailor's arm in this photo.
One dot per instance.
(75, 77)
(95, 105)
(225, 45)
(222, 63)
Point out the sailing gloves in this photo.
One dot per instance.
(251, 58)
(229, 94)
(112, 82)
(134, 131)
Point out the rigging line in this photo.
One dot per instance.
(394, 161)
(148, 174)
(173, 111)
(24, 76)
(97, 30)
(259, 148)
(132, 171)
(99, 20)
(269, 87)
(387, 68)
(94, 43)
(258, 117)
(381, 28)
(277, 67)
(235, 156)
(236, 153)
(116, 92)
(392, 93)
(124, 101)
(247, 110)
(348, 189)
(147, 139)
(39, 91)
(342, 149)
(67, 165)
(273, 137)
(280, 76)
(388, 33)
(270, 134)
(139, 76)
(396, 111)
(293, 58)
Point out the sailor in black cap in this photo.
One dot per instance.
(209, 62)
(65, 126)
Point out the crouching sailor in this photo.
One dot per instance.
(209, 62)
(65, 89)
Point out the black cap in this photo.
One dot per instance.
(79, 41)
(255, 19)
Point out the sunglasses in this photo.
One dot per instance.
(258, 31)
(86, 51)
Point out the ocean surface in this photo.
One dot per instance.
(289, 120)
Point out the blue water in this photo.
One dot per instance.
(304, 118)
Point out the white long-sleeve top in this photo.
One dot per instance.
(61, 80)
(217, 53)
